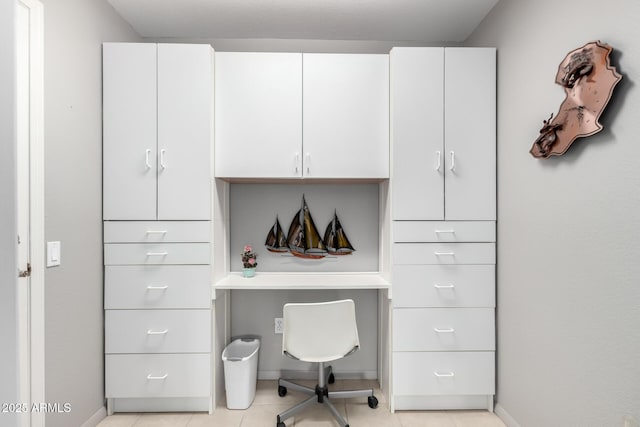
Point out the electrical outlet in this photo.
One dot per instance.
(279, 325)
(629, 421)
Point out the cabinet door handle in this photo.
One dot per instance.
(146, 158)
(444, 253)
(157, 288)
(297, 162)
(307, 161)
(437, 286)
(453, 161)
(157, 253)
(444, 374)
(438, 160)
(151, 377)
(444, 331)
(162, 153)
(152, 332)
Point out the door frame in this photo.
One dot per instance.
(31, 314)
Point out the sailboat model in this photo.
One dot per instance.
(303, 239)
(276, 242)
(335, 238)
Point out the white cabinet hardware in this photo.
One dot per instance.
(152, 377)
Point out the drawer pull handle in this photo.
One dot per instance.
(453, 161)
(444, 331)
(444, 374)
(438, 160)
(437, 286)
(446, 231)
(160, 232)
(157, 253)
(152, 332)
(444, 253)
(157, 288)
(151, 377)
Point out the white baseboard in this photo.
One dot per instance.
(311, 375)
(505, 417)
(95, 419)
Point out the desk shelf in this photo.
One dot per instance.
(301, 281)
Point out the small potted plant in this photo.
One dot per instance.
(249, 262)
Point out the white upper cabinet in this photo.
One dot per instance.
(443, 103)
(158, 109)
(293, 115)
(258, 119)
(346, 115)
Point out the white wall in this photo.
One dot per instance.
(568, 227)
(8, 243)
(74, 31)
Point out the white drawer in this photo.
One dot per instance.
(443, 329)
(156, 231)
(157, 331)
(157, 375)
(156, 253)
(444, 253)
(444, 286)
(157, 286)
(443, 373)
(444, 231)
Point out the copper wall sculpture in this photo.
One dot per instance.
(588, 80)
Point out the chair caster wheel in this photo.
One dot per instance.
(372, 401)
(281, 424)
(331, 379)
(282, 392)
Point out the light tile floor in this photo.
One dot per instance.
(268, 404)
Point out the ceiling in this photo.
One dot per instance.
(383, 20)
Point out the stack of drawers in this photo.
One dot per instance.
(157, 309)
(443, 316)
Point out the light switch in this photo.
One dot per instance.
(53, 254)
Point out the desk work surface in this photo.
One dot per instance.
(303, 281)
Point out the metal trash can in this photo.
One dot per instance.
(240, 360)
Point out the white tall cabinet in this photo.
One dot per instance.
(158, 111)
(295, 115)
(444, 209)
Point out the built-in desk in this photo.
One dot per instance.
(224, 288)
(302, 281)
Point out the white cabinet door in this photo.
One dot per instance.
(129, 111)
(346, 116)
(185, 113)
(258, 115)
(417, 92)
(470, 132)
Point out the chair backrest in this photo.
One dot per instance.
(320, 332)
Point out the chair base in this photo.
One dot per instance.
(321, 394)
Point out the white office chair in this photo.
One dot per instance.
(320, 333)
